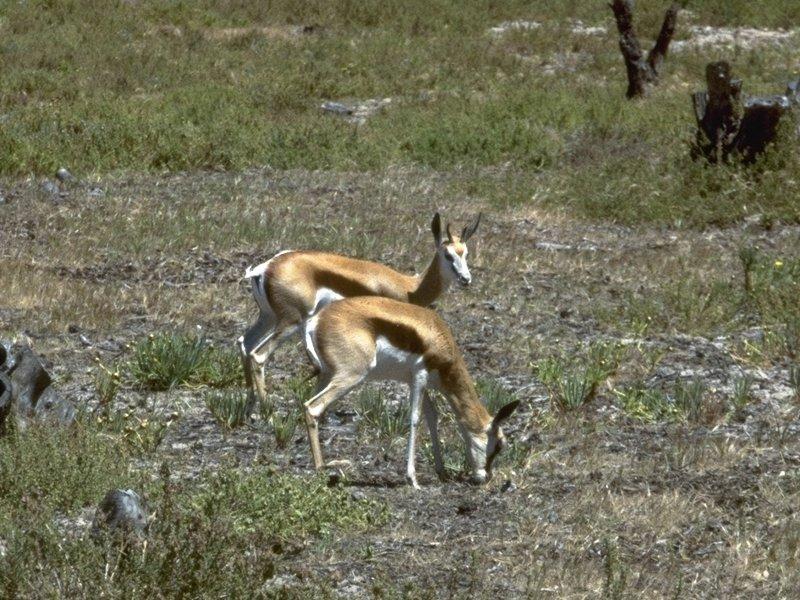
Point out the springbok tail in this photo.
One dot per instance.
(258, 280)
(258, 284)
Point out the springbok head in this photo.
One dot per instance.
(483, 452)
(453, 250)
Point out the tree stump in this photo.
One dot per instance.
(643, 72)
(727, 124)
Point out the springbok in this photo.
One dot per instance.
(294, 285)
(374, 338)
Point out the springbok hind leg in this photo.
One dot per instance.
(316, 405)
(255, 336)
(260, 355)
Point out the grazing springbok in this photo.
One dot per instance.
(294, 285)
(374, 338)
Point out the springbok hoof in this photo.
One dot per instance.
(412, 481)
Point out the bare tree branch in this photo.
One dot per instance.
(642, 72)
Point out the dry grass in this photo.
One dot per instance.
(597, 233)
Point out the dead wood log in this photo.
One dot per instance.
(728, 124)
(643, 72)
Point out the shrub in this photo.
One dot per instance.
(46, 467)
(229, 407)
(164, 361)
(216, 536)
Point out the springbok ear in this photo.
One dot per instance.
(470, 229)
(436, 229)
(504, 413)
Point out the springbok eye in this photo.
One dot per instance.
(449, 257)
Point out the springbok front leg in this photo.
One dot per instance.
(417, 386)
(432, 419)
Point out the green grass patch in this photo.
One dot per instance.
(687, 401)
(45, 468)
(177, 87)
(494, 394)
(228, 407)
(217, 536)
(573, 381)
(164, 361)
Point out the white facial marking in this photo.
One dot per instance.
(456, 266)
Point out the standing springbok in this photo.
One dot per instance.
(294, 285)
(373, 338)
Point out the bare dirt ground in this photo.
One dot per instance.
(588, 503)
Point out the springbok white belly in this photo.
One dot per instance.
(393, 363)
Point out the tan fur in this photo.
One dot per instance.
(286, 289)
(348, 330)
(293, 279)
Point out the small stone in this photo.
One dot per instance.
(120, 510)
(508, 486)
(49, 187)
(337, 108)
(466, 508)
(63, 175)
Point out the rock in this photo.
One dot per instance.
(518, 25)
(5, 399)
(701, 36)
(508, 486)
(63, 175)
(336, 108)
(120, 510)
(32, 395)
(49, 187)
(358, 111)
